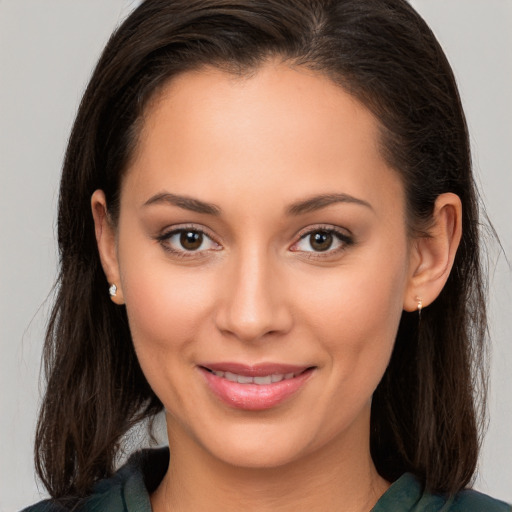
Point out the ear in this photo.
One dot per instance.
(432, 257)
(106, 240)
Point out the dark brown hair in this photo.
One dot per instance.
(424, 414)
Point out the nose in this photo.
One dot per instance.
(254, 303)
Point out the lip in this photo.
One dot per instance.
(255, 397)
(257, 370)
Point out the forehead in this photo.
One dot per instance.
(283, 127)
(300, 103)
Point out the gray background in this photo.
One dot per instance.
(47, 50)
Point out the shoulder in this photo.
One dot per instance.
(475, 501)
(464, 501)
(127, 490)
(407, 495)
(45, 506)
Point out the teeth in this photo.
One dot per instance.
(231, 376)
(263, 380)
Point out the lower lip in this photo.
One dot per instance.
(254, 397)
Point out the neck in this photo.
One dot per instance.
(341, 474)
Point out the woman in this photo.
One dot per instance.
(268, 228)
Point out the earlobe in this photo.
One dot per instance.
(106, 241)
(432, 256)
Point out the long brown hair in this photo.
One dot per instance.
(425, 417)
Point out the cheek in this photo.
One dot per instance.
(355, 315)
(165, 311)
(164, 307)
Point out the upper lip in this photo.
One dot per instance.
(257, 370)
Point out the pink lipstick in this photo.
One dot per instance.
(254, 388)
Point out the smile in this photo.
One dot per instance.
(255, 388)
(261, 381)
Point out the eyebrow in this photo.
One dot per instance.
(187, 203)
(310, 204)
(314, 203)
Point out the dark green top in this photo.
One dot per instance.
(129, 489)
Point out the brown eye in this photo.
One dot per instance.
(330, 242)
(191, 240)
(321, 240)
(188, 242)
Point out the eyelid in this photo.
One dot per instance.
(170, 231)
(343, 232)
(344, 236)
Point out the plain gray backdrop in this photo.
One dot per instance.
(47, 50)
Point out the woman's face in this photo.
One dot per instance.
(264, 263)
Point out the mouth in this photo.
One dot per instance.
(262, 380)
(255, 388)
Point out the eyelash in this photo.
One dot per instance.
(165, 237)
(342, 237)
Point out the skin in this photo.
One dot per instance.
(256, 291)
